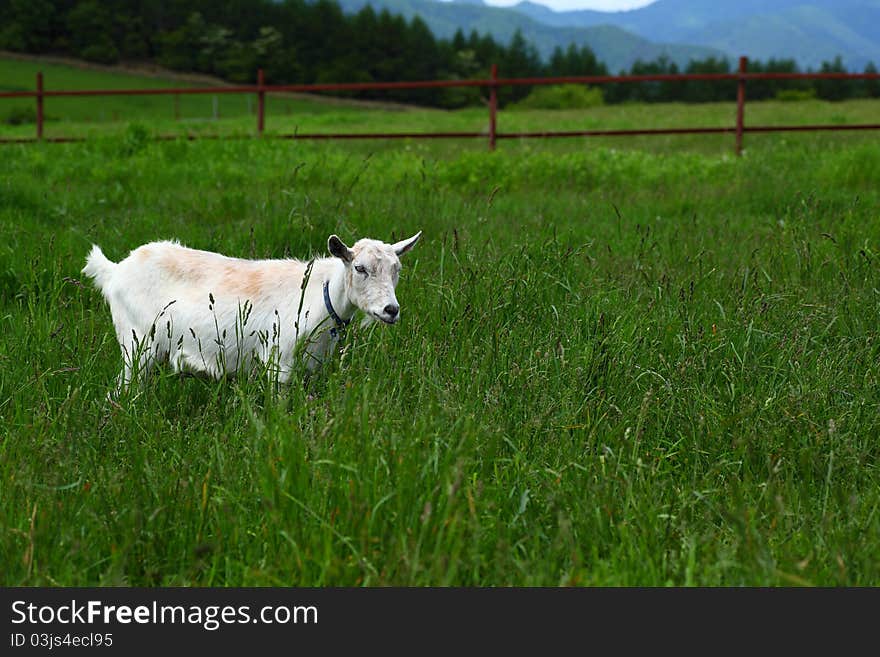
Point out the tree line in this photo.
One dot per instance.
(694, 91)
(299, 41)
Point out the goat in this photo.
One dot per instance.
(208, 313)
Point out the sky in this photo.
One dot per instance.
(567, 5)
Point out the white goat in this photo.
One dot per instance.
(205, 312)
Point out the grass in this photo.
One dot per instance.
(285, 114)
(95, 116)
(614, 367)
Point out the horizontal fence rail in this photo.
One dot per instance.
(741, 77)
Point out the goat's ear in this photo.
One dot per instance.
(405, 245)
(337, 247)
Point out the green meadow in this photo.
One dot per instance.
(286, 114)
(620, 362)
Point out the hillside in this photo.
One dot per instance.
(614, 45)
(18, 73)
(809, 31)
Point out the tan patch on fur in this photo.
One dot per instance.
(245, 280)
(183, 265)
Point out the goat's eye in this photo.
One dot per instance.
(360, 269)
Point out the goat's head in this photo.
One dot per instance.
(371, 273)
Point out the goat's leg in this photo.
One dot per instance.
(138, 359)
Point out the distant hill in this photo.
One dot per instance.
(809, 31)
(614, 45)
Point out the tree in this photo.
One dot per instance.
(27, 26)
(180, 48)
(871, 88)
(293, 41)
(458, 40)
(575, 61)
(129, 35)
(763, 89)
(831, 89)
(421, 60)
(213, 44)
(239, 62)
(704, 91)
(520, 61)
(655, 90)
(278, 62)
(90, 29)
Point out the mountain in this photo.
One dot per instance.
(809, 31)
(614, 45)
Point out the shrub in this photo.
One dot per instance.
(795, 95)
(20, 115)
(135, 139)
(102, 53)
(564, 96)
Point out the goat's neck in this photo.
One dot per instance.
(338, 290)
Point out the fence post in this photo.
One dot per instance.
(40, 105)
(740, 103)
(493, 105)
(261, 103)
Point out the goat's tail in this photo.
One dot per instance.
(99, 268)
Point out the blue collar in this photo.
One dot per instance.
(340, 323)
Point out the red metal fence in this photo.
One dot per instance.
(742, 76)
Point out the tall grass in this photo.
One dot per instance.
(613, 367)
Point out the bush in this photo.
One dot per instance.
(101, 53)
(457, 97)
(20, 116)
(567, 96)
(134, 140)
(795, 95)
